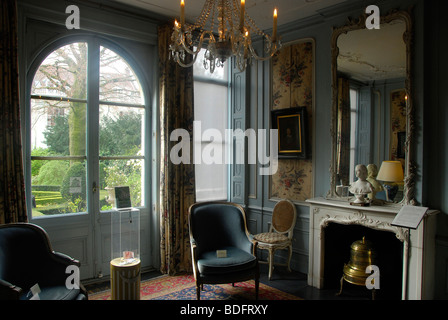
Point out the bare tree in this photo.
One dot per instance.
(64, 74)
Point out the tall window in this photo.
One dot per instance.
(211, 101)
(62, 143)
(122, 114)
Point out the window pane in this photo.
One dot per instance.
(118, 82)
(211, 189)
(210, 106)
(114, 173)
(199, 70)
(58, 127)
(58, 110)
(121, 131)
(63, 73)
(58, 186)
(211, 109)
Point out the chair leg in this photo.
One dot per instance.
(289, 258)
(271, 262)
(198, 291)
(257, 285)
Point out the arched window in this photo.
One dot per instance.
(87, 130)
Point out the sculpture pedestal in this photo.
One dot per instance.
(125, 279)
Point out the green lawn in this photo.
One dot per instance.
(52, 200)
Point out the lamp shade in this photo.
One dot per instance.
(391, 171)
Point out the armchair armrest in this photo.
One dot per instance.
(255, 247)
(194, 259)
(65, 259)
(9, 291)
(56, 268)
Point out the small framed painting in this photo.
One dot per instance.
(291, 126)
(122, 197)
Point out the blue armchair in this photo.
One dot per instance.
(222, 249)
(26, 259)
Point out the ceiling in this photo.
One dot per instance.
(362, 54)
(259, 10)
(368, 55)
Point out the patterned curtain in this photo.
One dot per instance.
(12, 187)
(343, 131)
(177, 186)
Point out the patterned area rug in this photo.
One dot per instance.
(183, 287)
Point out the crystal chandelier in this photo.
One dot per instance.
(226, 29)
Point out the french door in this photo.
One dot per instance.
(87, 123)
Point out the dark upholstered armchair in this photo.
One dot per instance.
(26, 259)
(222, 249)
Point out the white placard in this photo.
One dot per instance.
(409, 217)
(221, 253)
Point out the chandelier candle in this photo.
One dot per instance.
(243, 5)
(182, 13)
(274, 29)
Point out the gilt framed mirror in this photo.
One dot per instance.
(372, 101)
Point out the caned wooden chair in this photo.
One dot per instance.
(280, 233)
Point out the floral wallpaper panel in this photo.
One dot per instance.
(292, 86)
(398, 124)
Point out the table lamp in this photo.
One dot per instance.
(390, 172)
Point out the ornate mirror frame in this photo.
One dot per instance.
(409, 167)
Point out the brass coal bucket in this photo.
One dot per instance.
(362, 255)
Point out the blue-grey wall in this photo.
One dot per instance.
(435, 132)
(431, 115)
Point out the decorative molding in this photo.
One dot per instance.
(418, 245)
(408, 38)
(360, 218)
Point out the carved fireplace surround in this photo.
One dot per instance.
(418, 245)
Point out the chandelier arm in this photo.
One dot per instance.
(253, 26)
(187, 49)
(276, 47)
(199, 46)
(185, 65)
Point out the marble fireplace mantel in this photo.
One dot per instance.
(418, 245)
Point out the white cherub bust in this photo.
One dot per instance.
(361, 187)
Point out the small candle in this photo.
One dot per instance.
(243, 5)
(182, 13)
(274, 30)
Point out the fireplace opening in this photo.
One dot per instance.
(389, 250)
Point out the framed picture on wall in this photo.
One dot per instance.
(292, 134)
(122, 197)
